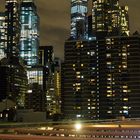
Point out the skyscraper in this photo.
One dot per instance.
(109, 18)
(78, 19)
(46, 60)
(13, 75)
(2, 35)
(46, 55)
(124, 21)
(54, 88)
(12, 28)
(29, 35)
(94, 73)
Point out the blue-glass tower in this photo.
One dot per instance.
(78, 19)
(2, 35)
(29, 35)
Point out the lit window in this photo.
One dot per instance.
(125, 99)
(108, 55)
(109, 112)
(78, 116)
(125, 107)
(77, 72)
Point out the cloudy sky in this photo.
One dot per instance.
(55, 21)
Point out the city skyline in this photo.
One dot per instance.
(55, 21)
(100, 75)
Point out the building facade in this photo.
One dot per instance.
(79, 80)
(35, 98)
(95, 71)
(118, 69)
(13, 72)
(29, 33)
(54, 89)
(46, 55)
(2, 35)
(12, 28)
(13, 81)
(109, 18)
(78, 19)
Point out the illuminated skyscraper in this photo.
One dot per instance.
(78, 19)
(13, 74)
(124, 21)
(2, 35)
(108, 18)
(12, 28)
(29, 35)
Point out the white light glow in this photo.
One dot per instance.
(78, 126)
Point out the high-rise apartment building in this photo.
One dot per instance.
(95, 71)
(78, 19)
(79, 80)
(119, 79)
(2, 35)
(133, 57)
(112, 69)
(29, 35)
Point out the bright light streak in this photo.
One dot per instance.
(42, 128)
(78, 126)
(50, 128)
(29, 91)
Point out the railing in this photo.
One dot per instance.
(67, 132)
(27, 137)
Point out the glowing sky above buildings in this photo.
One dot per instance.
(55, 21)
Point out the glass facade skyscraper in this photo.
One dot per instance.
(78, 19)
(29, 35)
(2, 35)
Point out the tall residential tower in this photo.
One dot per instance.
(93, 74)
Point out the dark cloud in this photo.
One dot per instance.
(55, 21)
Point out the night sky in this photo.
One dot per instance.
(55, 21)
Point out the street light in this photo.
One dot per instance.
(78, 126)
